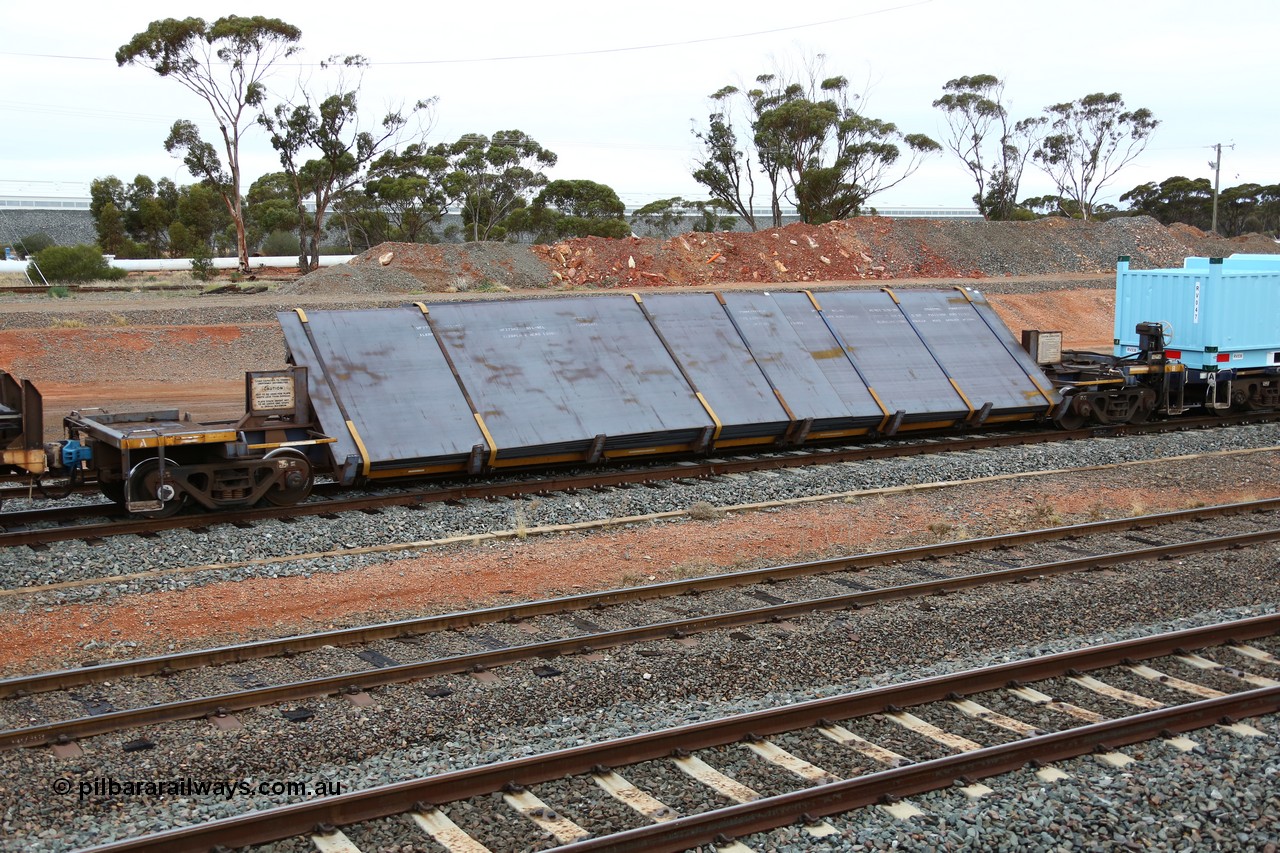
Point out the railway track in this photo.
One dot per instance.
(778, 593)
(805, 762)
(41, 527)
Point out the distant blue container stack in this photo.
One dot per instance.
(1219, 314)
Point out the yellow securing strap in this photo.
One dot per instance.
(884, 410)
(493, 446)
(715, 420)
(964, 291)
(967, 404)
(364, 454)
(637, 298)
(813, 299)
(423, 308)
(302, 315)
(892, 295)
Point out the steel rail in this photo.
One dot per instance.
(358, 682)
(810, 803)
(398, 798)
(688, 469)
(165, 664)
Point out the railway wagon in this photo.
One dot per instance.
(1220, 317)
(1203, 336)
(471, 387)
(475, 386)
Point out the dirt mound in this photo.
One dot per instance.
(438, 268)
(868, 248)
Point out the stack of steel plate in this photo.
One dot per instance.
(476, 385)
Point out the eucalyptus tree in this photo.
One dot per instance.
(992, 146)
(809, 143)
(1089, 141)
(224, 63)
(325, 151)
(491, 178)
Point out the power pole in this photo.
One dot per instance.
(1216, 163)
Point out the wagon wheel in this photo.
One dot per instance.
(297, 482)
(1143, 411)
(1072, 418)
(113, 491)
(144, 482)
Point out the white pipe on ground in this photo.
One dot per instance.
(163, 264)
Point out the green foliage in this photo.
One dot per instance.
(33, 243)
(73, 264)
(1175, 199)
(1241, 209)
(577, 209)
(405, 196)
(669, 216)
(492, 179)
(992, 146)
(59, 292)
(224, 63)
(280, 244)
(1089, 141)
(343, 149)
(812, 145)
(201, 263)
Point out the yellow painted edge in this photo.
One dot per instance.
(1043, 393)
(884, 410)
(31, 460)
(747, 442)
(364, 454)
(715, 436)
(1168, 368)
(839, 433)
(308, 442)
(782, 401)
(956, 386)
(646, 451)
(302, 315)
(415, 472)
(538, 460)
(927, 425)
(1004, 419)
(493, 447)
(178, 440)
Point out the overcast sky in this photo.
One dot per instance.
(614, 89)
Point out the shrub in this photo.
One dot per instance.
(34, 243)
(201, 263)
(280, 244)
(73, 264)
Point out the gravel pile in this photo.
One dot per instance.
(874, 248)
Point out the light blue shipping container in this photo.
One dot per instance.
(1218, 314)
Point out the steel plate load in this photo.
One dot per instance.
(473, 386)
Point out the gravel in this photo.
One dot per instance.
(413, 729)
(226, 544)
